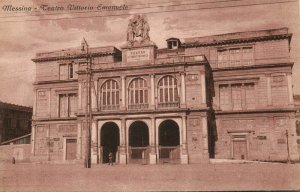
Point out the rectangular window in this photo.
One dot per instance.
(232, 57)
(67, 105)
(72, 104)
(7, 122)
(225, 97)
(247, 55)
(237, 96)
(71, 71)
(63, 105)
(250, 96)
(67, 71)
(63, 72)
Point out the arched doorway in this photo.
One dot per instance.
(110, 140)
(138, 142)
(169, 141)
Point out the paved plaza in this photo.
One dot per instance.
(197, 177)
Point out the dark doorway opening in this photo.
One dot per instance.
(169, 141)
(138, 134)
(71, 145)
(138, 140)
(169, 133)
(110, 140)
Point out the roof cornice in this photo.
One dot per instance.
(235, 41)
(78, 56)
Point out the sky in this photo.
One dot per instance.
(23, 34)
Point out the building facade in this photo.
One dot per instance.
(297, 106)
(225, 96)
(15, 121)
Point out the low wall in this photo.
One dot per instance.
(21, 153)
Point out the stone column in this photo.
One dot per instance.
(153, 141)
(122, 151)
(152, 96)
(79, 141)
(183, 92)
(123, 93)
(94, 95)
(49, 104)
(33, 131)
(269, 91)
(156, 138)
(290, 88)
(203, 88)
(292, 140)
(94, 149)
(48, 143)
(204, 135)
(34, 104)
(184, 152)
(79, 95)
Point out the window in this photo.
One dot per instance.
(172, 44)
(168, 92)
(67, 105)
(7, 122)
(138, 94)
(110, 95)
(250, 96)
(67, 71)
(235, 56)
(71, 71)
(298, 127)
(225, 97)
(237, 96)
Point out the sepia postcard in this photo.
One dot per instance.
(155, 95)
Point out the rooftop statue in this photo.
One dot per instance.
(138, 30)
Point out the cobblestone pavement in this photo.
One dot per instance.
(203, 177)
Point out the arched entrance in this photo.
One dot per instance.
(110, 140)
(169, 142)
(138, 142)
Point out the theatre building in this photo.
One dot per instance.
(226, 96)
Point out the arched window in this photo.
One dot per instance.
(110, 95)
(138, 94)
(168, 92)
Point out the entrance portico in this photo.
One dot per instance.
(147, 140)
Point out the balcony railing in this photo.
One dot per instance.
(138, 106)
(168, 105)
(139, 154)
(169, 154)
(110, 107)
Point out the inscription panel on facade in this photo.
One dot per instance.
(138, 55)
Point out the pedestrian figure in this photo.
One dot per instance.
(110, 158)
(13, 160)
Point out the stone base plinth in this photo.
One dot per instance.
(122, 159)
(152, 159)
(184, 159)
(94, 159)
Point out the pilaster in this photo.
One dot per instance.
(183, 92)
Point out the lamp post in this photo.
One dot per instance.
(287, 145)
(88, 111)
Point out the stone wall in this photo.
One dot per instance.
(265, 136)
(50, 140)
(21, 153)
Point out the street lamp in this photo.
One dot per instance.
(88, 110)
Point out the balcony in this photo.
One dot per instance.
(168, 105)
(110, 107)
(138, 106)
